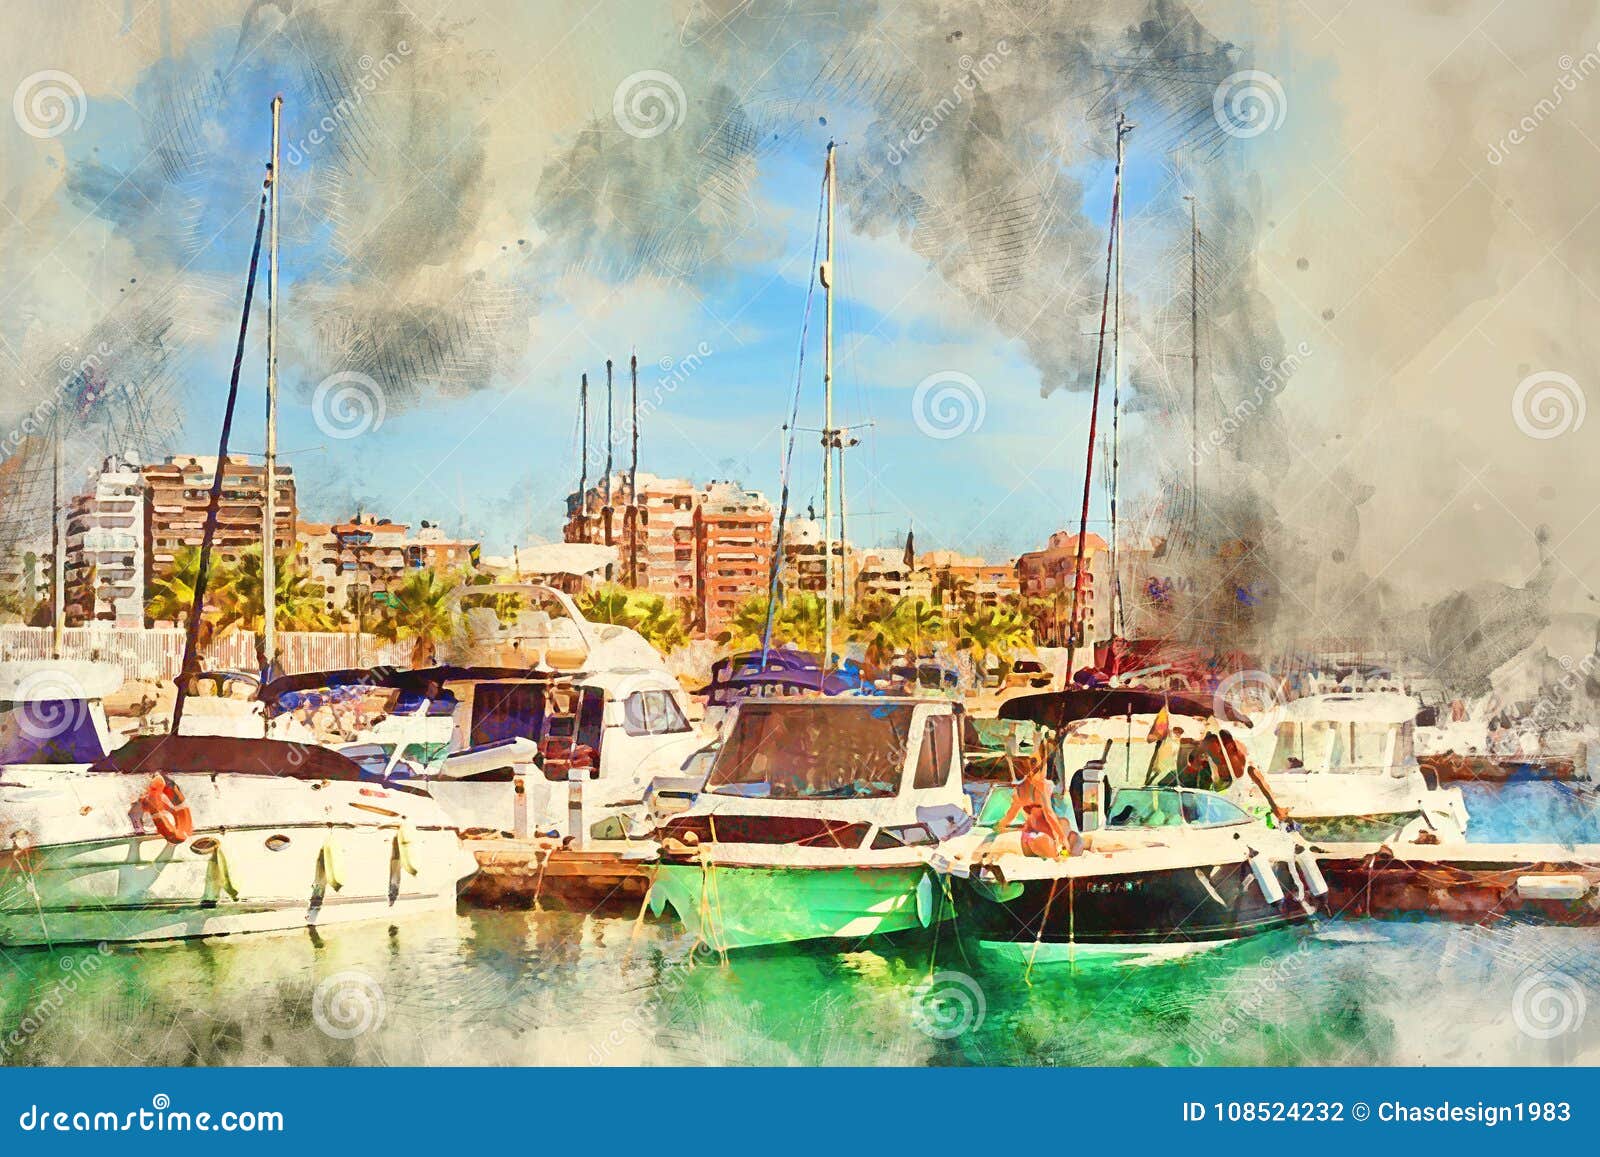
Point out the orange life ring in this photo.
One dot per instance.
(163, 803)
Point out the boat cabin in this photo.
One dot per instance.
(1360, 734)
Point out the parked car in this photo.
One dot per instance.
(1028, 673)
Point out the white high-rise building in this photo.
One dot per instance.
(105, 547)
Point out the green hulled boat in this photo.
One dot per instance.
(816, 822)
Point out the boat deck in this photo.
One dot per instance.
(1471, 883)
(524, 873)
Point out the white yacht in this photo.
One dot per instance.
(179, 836)
(1344, 767)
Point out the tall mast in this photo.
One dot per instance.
(1074, 622)
(583, 460)
(605, 510)
(632, 520)
(1123, 129)
(1194, 361)
(269, 506)
(58, 542)
(825, 274)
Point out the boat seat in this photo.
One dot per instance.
(945, 821)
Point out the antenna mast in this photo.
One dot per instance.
(583, 460)
(632, 520)
(605, 510)
(269, 505)
(829, 434)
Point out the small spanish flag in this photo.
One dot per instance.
(1162, 725)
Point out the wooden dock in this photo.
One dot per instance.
(1471, 883)
(541, 871)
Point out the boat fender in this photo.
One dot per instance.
(163, 803)
(402, 849)
(332, 863)
(223, 872)
(1205, 882)
(1550, 887)
(1266, 878)
(1311, 871)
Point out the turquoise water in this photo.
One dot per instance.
(482, 987)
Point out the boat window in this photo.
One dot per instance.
(1206, 809)
(803, 749)
(1145, 808)
(502, 711)
(909, 836)
(933, 760)
(49, 731)
(652, 713)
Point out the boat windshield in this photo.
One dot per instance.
(49, 731)
(806, 750)
(1170, 807)
(1341, 745)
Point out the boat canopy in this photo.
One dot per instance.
(1056, 709)
(227, 755)
(1367, 707)
(418, 682)
(49, 680)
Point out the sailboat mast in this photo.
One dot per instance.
(1123, 128)
(1075, 622)
(605, 510)
(825, 274)
(583, 459)
(1194, 358)
(269, 505)
(633, 478)
(58, 542)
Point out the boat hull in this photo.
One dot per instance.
(238, 880)
(747, 906)
(1158, 913)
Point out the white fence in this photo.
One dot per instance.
(158, 653)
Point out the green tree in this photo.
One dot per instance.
(424, 612)
(659, 621)
(171, 594)
(997, 631)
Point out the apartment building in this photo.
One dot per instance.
(733, 530)
(657, 530)
(178, 493)
(105, 547)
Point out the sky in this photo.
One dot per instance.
(482, 201)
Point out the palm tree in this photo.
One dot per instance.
(997, 631)
(658, 621)
(922, 621)
(743, 632)
(879, 624)
(299, 601)
(608, 603)
(171, 594)
(424, 612)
